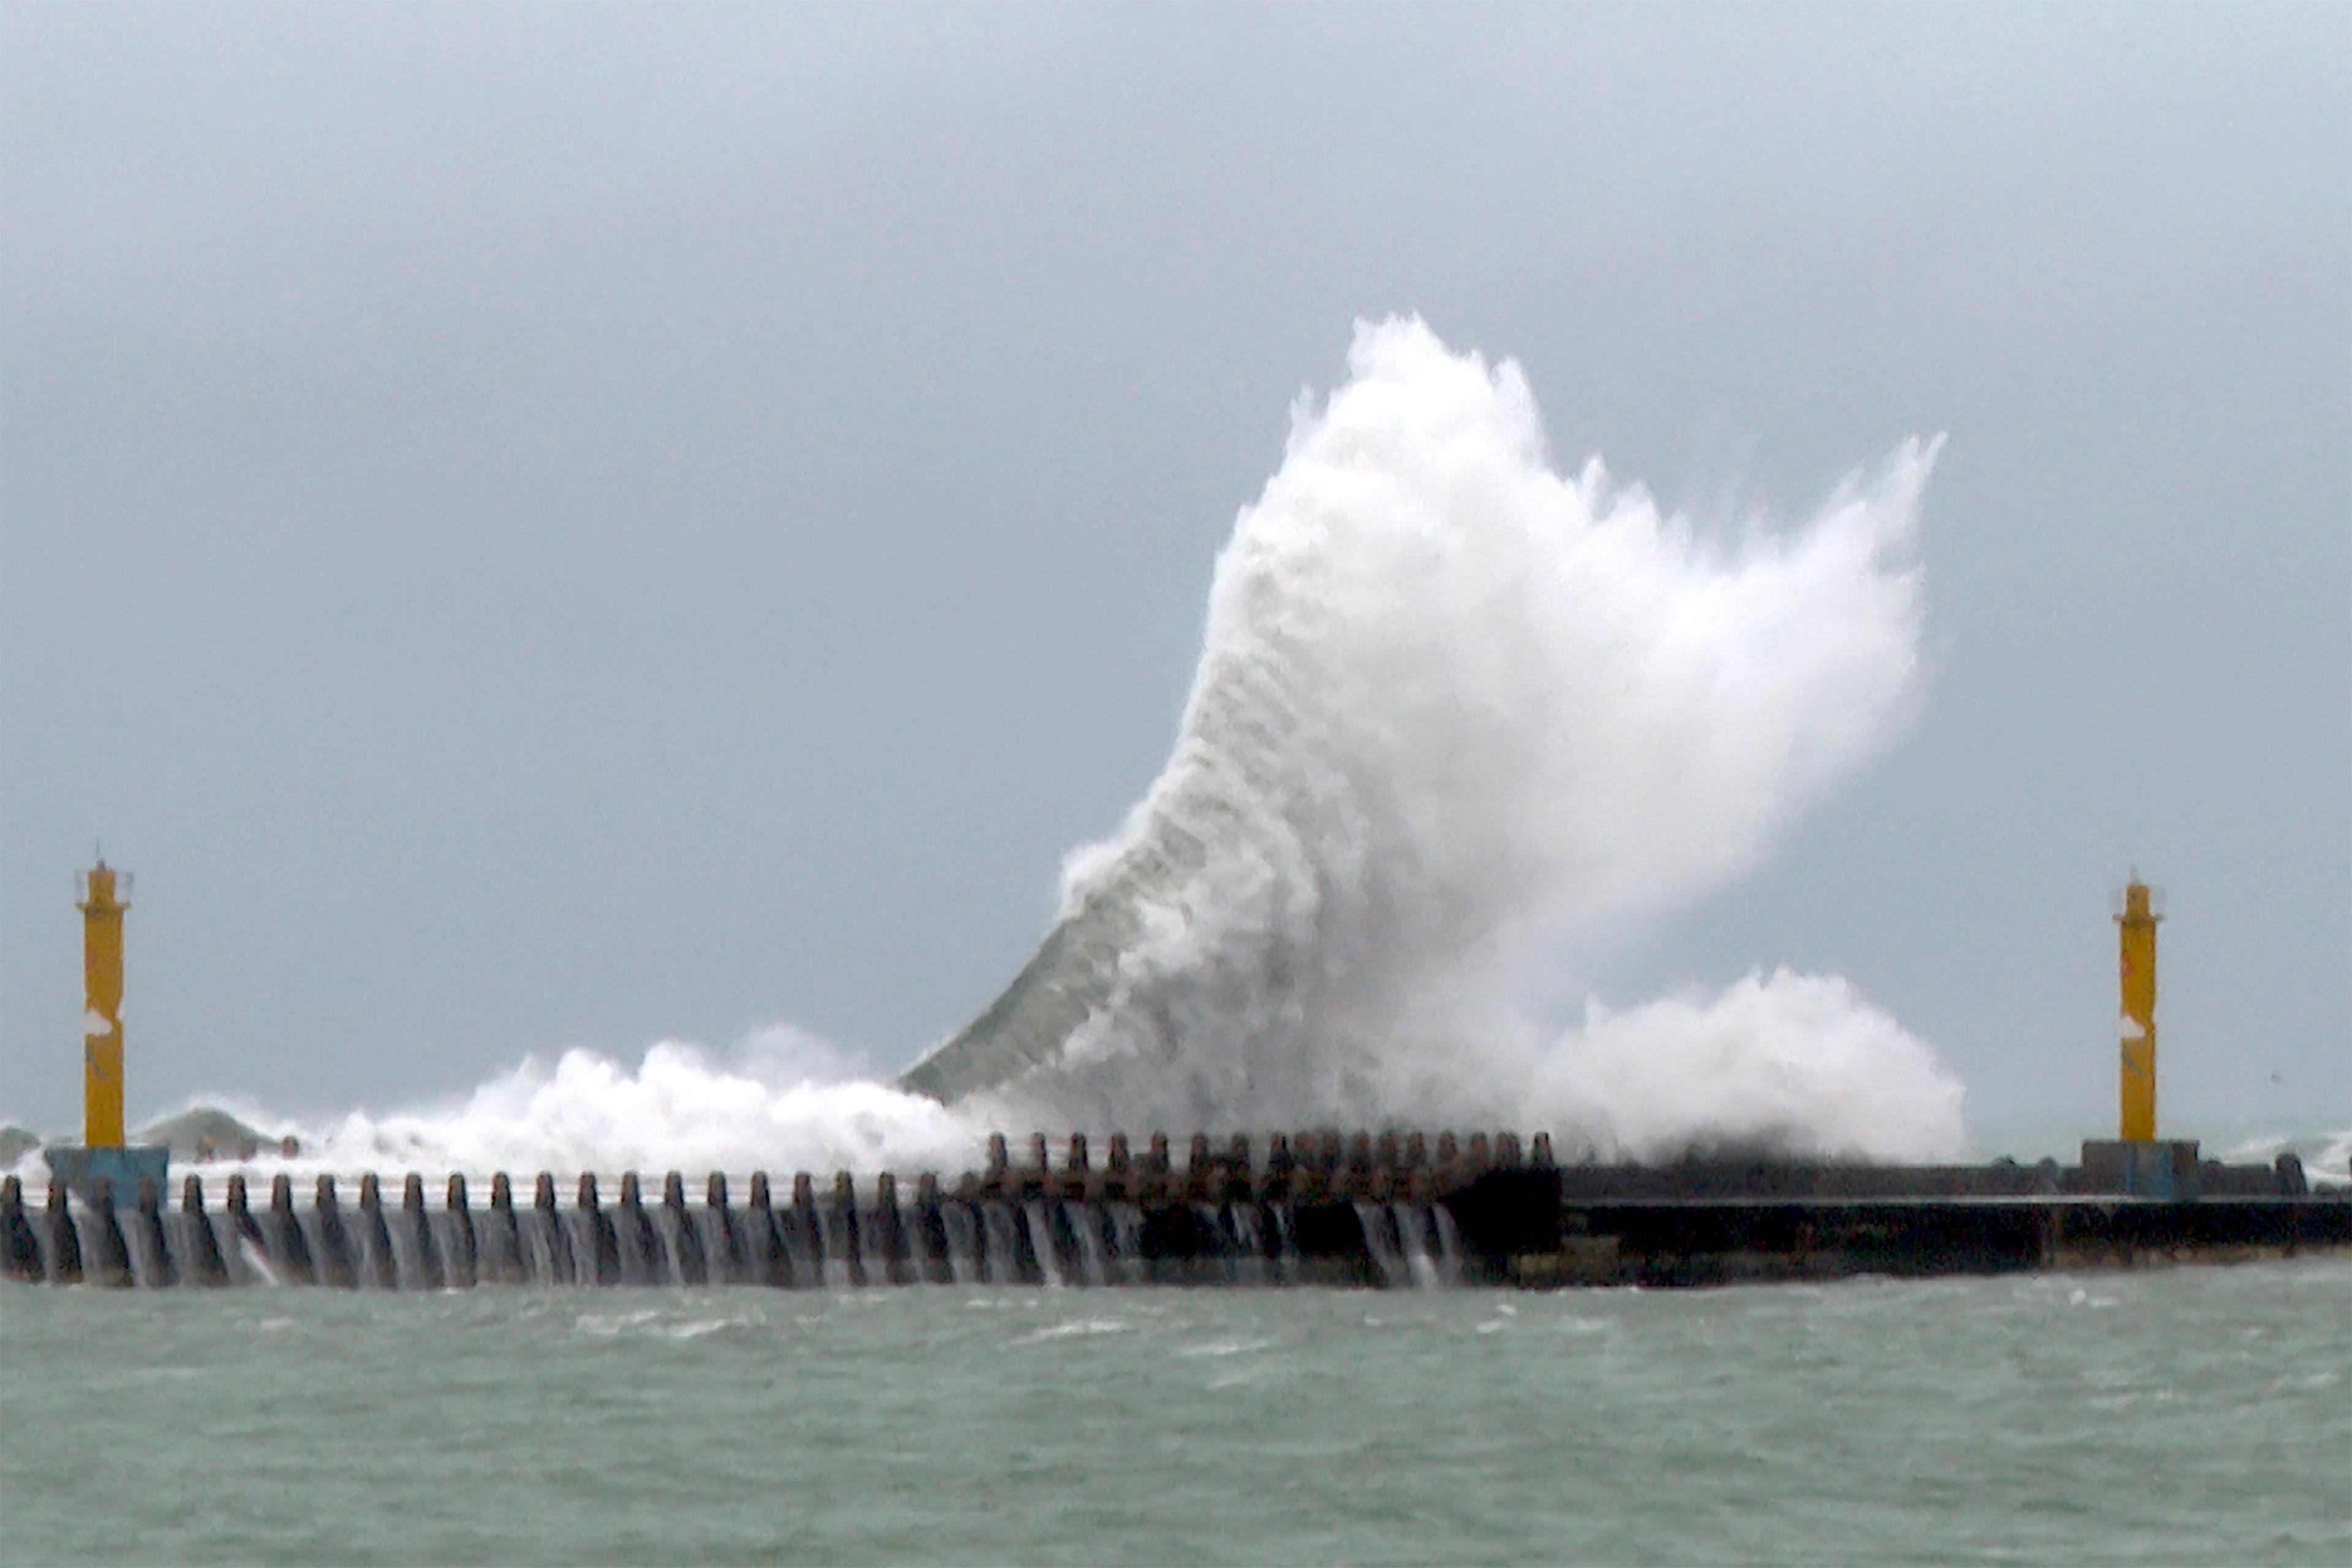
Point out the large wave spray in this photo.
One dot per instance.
(1455, 710)
(1457, 714)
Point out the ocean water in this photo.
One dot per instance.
(2194, 1415)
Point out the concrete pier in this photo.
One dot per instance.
(1391, 1209)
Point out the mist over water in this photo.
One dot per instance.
(1458, 716)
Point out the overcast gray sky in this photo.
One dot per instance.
(532, 527)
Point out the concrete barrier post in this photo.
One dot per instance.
(244, 1231)
(808, 1232)
(601, 1240)
(266, 1242)
(690, 1266)
(764, 1249)
(111, 1265)
(1200, 1170)
(564, 1264)
(840, 1227)
(202, 1264)
(726, 1237)
(638, 1246)
(164, 1268)
(937, 1266)
(2292, 1181)
(419, 1227)
(65, 1240)
(497, 1243)
(375, 1257)
(808, 1257)
(1306, 1182)
(885, 1242)
(1273, 1181)
(335, 1264)
(461, 1265)
(23, 1247)
(374, 1252)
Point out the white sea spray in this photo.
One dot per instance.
(1458, 716)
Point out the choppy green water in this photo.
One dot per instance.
(2188, 1415)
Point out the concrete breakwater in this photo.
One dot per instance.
(1395, 1210)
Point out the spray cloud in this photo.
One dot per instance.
(1455, 713)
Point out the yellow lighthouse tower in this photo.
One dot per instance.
(2135, 1162)
(2137, 965)
(102, 1156)
(101, 971)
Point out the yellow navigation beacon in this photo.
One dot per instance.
(101, 969)
(103, 1164)
(2138, 925)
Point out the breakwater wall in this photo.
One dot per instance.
(1392, 1210)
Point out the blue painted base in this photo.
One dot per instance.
(122, 1169)
(2165, 1168)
